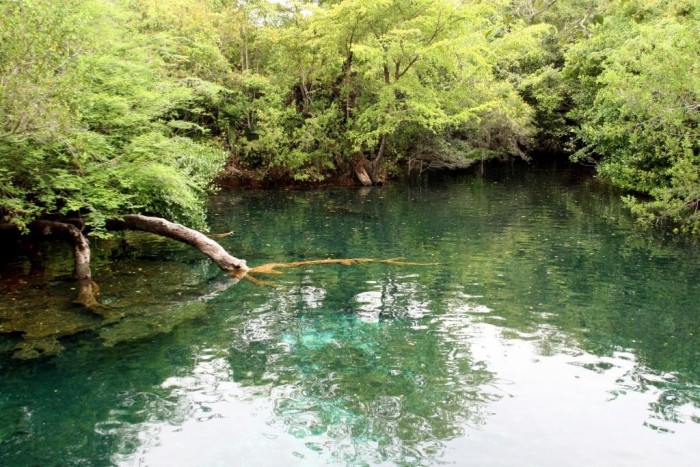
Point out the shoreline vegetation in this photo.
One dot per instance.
(135, 107)
(123, 107)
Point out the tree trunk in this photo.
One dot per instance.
(361, 172)
(87, 288)
(374, 165)
(183, 234)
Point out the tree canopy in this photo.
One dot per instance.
(638, 103)
(109, 107)
(94, 124)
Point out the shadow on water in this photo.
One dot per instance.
(549, 325)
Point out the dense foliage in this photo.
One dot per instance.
(638, 100)
(93, 122)
(116, 106)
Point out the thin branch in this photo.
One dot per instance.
(543, 9)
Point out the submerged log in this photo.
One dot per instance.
(273, 268)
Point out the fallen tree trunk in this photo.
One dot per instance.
(273, 268)
(159, 226)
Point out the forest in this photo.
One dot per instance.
(123, 107)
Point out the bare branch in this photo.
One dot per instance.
(182, 234)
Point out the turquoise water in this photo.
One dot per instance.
(549, 331)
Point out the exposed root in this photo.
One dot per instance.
(273, 268)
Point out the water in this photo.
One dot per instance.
(549, 331)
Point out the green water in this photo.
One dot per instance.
(550, 331)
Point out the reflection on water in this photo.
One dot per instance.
(550, 332)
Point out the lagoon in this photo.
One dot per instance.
(548, 329)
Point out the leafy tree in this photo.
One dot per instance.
(389, 81)
(90, 119)
(95, 127)
(638, 100)
(538, 76)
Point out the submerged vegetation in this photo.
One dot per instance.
(43, 329)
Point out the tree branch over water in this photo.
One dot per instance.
(41, 334)
(179, 232)
(74, 233)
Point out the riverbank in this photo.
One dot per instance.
(237, 176)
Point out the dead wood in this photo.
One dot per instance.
(183, 234)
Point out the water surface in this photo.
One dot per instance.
(549, 331)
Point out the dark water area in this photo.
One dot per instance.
(550, 330)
